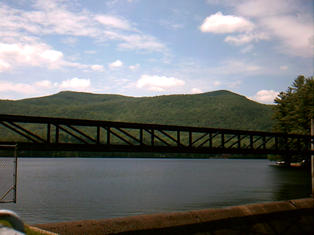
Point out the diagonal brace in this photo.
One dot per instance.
(128, 134)
(198, 139)
(120, 137)
(157, 137)
(72, 134)
(239, 141)
(19, 132)
(264, 142)
(169, 136)
(82, 133)
(27, 131)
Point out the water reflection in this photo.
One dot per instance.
(289, 183)
(52, 190)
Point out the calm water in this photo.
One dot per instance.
(51, 190)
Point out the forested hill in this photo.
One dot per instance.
(221, 109)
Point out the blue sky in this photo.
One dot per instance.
(146, 47)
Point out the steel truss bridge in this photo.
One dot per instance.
(63, 134)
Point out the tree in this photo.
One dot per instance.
(294, 108)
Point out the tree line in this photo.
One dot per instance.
(294, 110)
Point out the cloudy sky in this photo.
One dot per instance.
(146, 47)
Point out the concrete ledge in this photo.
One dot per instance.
(35, 230)
(284, 217)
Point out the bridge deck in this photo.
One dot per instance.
(45, 133)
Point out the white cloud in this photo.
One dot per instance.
(196, 91)
(238, 67)
(78, 84)
(4, 66)
(113, 22)
(51, 55)
(18, 54)
(265, 96)
(12, 90)
(265, 8)
(35, 54)
(288, 23)
(97, 67)
(43, 84)
(246, 38)
(216, 83)
(54, 17)
(219, 23)
(283, 67)
(8, 87)
(296, 34)
(138, 42)
(115, 64)
(247, 49)
(158, 83)
(134, 67)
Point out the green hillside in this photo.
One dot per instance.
(221, 109)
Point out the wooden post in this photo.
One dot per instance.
(312, 157)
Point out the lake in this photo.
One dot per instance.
(67, 189)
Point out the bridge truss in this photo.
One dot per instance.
(45, 133)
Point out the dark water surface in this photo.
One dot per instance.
(67, 189)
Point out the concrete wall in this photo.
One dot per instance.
(286, 217)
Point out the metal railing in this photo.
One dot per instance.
(8, 174)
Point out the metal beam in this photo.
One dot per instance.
(130, 137)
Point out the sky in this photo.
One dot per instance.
(255, 48)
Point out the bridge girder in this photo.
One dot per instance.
(56, 134)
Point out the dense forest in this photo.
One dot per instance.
(218, 109)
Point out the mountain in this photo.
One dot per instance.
(218, 109)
